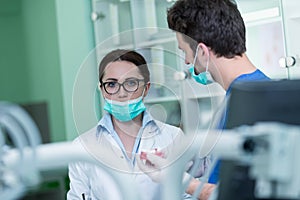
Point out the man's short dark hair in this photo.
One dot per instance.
(216, 23)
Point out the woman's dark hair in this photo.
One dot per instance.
(216, 23)
(125, 55)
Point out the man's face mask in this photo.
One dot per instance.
(125, 111)
(201, 77)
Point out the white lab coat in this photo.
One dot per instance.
(95, 183)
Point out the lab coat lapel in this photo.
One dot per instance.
(149, 137)
(105, 151)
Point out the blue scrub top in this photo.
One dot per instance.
(257, 75)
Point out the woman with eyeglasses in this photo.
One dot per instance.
(126, 130)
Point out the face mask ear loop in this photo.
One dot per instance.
(143, 92)
(195, 58)
(207, 64)
(99, 88)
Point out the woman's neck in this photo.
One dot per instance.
(128, 131)
(130, 128)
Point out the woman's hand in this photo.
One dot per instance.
(152, 164)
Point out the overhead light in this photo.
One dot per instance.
(261, 14)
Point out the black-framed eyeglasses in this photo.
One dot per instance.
(129, 85)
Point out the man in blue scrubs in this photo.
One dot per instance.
(211, 33)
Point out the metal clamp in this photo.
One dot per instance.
(287, 62)
(95, 16)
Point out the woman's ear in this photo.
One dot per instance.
(147, 87)
(101, 90)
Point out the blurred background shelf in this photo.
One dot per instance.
(142, 25)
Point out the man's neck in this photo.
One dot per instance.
(227, 70)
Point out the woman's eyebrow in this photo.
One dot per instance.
(111, 79)
(129, 78)
(116, 80)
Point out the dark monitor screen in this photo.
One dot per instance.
(275, 100)
(38, 111)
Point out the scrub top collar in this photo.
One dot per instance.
(254, 76)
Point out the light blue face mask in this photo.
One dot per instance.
(125, 111)
(201, 77)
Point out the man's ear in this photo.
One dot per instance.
(204, 49)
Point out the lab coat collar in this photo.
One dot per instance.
(106, 123)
